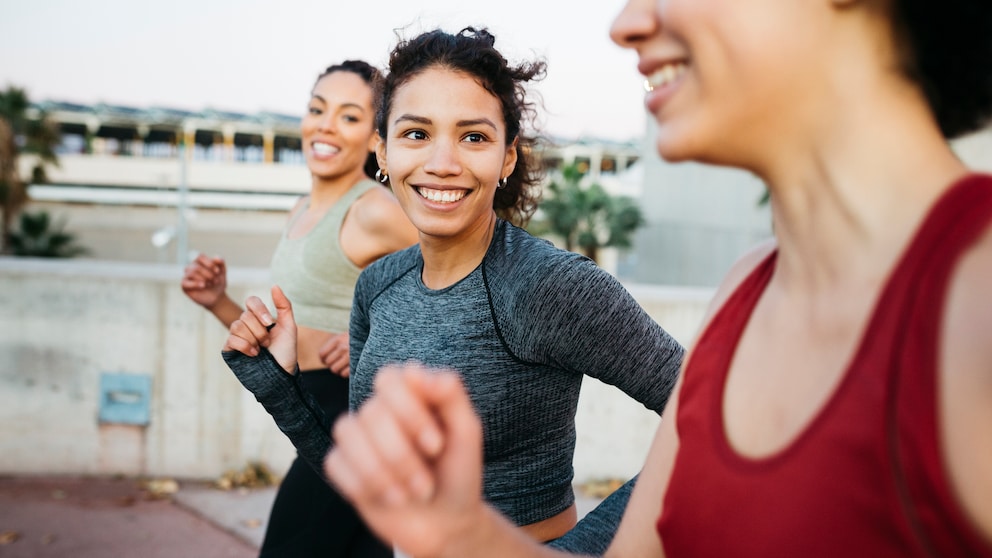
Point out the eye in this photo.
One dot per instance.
(314, 110)
(351, 118)
(415, 135)
(475, 137)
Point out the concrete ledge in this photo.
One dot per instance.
(68, 322)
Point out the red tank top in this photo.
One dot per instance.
(864, 478)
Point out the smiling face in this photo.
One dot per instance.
(337, 131)
(445, 151)
(725, 79)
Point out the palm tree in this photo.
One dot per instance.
(19, 132)
(587, 217)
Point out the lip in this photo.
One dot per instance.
(658, 96)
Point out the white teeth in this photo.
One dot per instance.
(324, 148)
(441, 196)
(665, 75)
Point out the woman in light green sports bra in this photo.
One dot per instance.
(344, 224)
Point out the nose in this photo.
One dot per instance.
(636, 22)
(443, 159)
(327, 122)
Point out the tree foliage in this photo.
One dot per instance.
(21, 133)
(40, 237)
(586, 217)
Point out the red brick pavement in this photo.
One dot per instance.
(81, 517)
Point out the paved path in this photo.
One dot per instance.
(96, 517)
(76, 517)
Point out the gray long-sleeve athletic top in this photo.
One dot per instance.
(522, 329)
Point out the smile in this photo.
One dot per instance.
(324, 149)
(441, 196)
(665, 75)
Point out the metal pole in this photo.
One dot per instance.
(182, 242)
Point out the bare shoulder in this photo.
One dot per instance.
(966, 383)
(377, 209)
(738, 272)
(382, 224)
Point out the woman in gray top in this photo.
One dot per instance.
(521, 320)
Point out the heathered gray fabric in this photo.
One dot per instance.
(522, 330)
(594, 532)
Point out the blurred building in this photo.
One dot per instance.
(153, 184)
(701, 218)
(128, 194)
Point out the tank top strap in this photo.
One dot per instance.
(921, 282)
(342, 206)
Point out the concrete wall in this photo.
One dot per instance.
(68, 322)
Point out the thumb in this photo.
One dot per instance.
(284, 308)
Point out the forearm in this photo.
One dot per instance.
(225, 310)
(295, 411)
(494, 536)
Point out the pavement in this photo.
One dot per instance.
(100, 517)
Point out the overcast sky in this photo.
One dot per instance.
(253, 55)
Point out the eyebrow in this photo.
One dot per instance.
(343, 105)
(460, 123)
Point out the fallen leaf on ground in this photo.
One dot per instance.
(8, 537)
(161, 488)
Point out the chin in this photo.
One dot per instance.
(673, 151)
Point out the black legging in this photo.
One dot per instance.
(308, 517)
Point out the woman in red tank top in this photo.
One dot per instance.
(838, 401)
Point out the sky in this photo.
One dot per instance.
(254, 55)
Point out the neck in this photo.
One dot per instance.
(448, 260)
(846, 204)
(324, 192)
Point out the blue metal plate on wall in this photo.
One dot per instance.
(125, 398)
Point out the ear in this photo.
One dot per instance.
(510, 158)
(374, 140)
(380, 151)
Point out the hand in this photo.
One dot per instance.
(256, 328)
(410, 460)
(335, 354)
(205, 280)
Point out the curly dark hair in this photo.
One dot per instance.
(947, 50)
(371, 75)
(472, 52)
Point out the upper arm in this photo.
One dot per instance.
(965, 384)
(585, 321)
(637, 534)
(358, 326)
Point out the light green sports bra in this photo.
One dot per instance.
(314, 272)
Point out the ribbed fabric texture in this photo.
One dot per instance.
(522, 329)
(315, 273)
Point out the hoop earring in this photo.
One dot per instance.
(501, 183)
(382, 177)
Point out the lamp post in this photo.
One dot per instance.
(182, 237)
